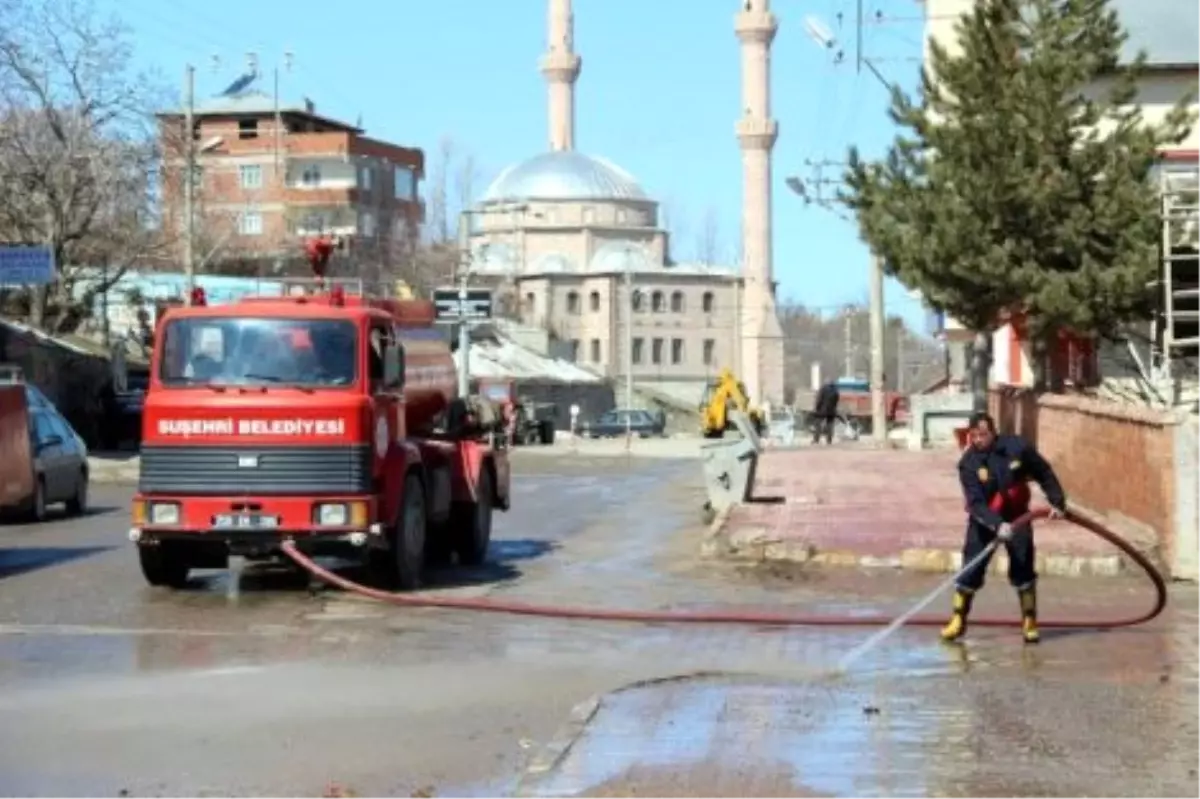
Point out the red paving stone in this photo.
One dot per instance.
(875, 503)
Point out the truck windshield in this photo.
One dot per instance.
(246, 351)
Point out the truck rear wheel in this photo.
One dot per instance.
(164, 565)
(401, 565)
(472, 523)
(546, 432)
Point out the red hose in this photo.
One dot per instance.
(758, 619)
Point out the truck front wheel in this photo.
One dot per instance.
(401, 565)
(472, 523)
(164, 565)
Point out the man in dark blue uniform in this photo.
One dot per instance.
(825, 412)
(995, 472)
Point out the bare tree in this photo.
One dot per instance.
(672, 219)
(465, 179)
(708, 238)
(76, 147)
(437, 214)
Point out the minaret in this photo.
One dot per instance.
(561, 66)
(762, 337)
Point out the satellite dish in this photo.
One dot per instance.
(819, 32)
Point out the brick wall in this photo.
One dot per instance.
(1115, 460)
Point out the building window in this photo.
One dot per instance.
(595, 350)
(658, 302)
(589, 215)
(405, 183)
(250, 176)
(594, 301)
(676, 351)
(707, 303)
(573, 350)
(248, 129)
(250, 223)
(364, 178)
(639, 301)
(656, 351)
(312, 224)
(573, 303)
(676, 302)
(710, 348)
(311, 176)
(637, 350)
(367, 224)
(622, 215)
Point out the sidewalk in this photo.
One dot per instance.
(879, 508)
(113, 467)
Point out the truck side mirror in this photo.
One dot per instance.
(393, 366)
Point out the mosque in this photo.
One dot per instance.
(577, 244)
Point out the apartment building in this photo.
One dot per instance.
(269, 175)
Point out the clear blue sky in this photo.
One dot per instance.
(658, 94)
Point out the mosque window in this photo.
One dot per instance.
(676, 351)
(530, 303)
(573, 306)
(658, 302)
(677, 302)
(638, 346)
(710, 347)
(595, 350)
(639, 301)
(656, 351)
(707, 302)
(594, 301)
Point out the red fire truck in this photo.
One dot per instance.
(324, 417)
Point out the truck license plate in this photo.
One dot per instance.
(245, 521)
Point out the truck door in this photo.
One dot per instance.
(387, 421)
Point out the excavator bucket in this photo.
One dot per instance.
(730, 465)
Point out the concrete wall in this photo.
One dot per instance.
(934, 417)
(71, 379)
(1134, 467)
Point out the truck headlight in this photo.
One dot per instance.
(332, 515)
(164, 513)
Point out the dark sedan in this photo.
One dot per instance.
(613, 424)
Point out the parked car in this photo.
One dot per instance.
(56, 458)
(643, 424)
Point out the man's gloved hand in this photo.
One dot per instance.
(1056, 513)
(1004, 532)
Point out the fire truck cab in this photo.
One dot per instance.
(320, 417)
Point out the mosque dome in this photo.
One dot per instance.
(564, 175)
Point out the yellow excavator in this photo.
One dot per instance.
(722, 395)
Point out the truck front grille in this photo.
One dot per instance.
(215, 471)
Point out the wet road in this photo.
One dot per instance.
(107, 685)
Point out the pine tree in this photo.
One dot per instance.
(1019, 181)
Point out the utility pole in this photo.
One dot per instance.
(878, 404)
(848, 345)
(189, 177)
(464, 331)
(628, 348)
(900, 365)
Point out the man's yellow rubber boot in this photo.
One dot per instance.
(1029, 625)
(957, 626)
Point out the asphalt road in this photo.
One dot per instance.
(256, 686)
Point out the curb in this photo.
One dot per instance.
(753, 545)
(550, 755)
(108, 475)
